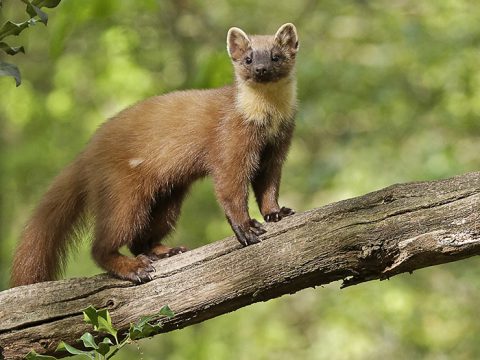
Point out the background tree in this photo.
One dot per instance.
(388, 93)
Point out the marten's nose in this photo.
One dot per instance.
(260, 70)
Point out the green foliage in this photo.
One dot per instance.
(143, 328)
(33, 355)
(100, 320)
(102, 324)
(33, 9)
(388, 92)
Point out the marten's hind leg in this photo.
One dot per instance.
(163, 218)
(119, 220)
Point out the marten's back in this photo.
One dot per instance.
(165, 136)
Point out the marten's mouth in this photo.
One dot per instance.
(264, 78)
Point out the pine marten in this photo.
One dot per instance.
(136, 170)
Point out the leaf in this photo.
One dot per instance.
(105, 322)
(142, 328)
(89, 341)
(10, 50)
(33, 355)
(100, 319)
(144, 319)
(63, 346)
(46, 3)
(134, 332)
(90, 316)
(33, 11)
(146, 330)
(7, 69)
(11, 28)
(166, 311)
(149, 329)
(104, 346)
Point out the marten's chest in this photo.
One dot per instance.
(268, 105)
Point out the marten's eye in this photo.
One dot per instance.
(248, 60)
(275, 58)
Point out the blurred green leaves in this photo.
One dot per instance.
(9, 28)
(388, 92)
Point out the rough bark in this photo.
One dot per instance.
(398, 229)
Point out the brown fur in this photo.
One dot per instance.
(138, 167)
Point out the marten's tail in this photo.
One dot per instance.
(41, 253)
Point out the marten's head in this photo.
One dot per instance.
(263, 58)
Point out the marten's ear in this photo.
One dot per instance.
(237, 43)
(287, 37)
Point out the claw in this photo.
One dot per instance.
(177, 250)
(245, 237)
(278, 215)
(255, 223)
(165, 252)
(273, 217)
(149, 268)
(286, 211)
(144, 259)
(258, 232)
(256, 227)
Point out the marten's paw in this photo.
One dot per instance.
(250, 235)
(257, 227)
(279, 215)
(160, 251)
(139, 270)
(177, 250)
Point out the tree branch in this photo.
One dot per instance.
(398, 229)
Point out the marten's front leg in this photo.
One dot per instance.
(266, 183)
(231, 179)
(232, 194)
